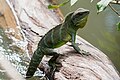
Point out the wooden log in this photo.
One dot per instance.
(96, 66)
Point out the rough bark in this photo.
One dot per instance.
(35, 19)
(8, 70)
(7, 19)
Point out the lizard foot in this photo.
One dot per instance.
(84, 53)
(50, 74)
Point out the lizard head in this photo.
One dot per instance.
(79, 17)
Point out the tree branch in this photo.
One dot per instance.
(114, 9)
(115, 2)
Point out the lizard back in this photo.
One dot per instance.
(55, 38)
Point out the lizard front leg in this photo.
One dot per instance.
(75, 46)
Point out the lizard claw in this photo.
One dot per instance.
(82, 52)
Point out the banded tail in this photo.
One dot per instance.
(35, 60)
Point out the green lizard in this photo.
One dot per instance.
(57, 37)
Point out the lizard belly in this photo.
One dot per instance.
(61, 42)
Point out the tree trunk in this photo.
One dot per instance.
(35, 19)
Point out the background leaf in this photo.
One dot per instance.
(101, 5)
(57, 6)
(72, 2)
(91, 1)
(118, 26)
(53, 6)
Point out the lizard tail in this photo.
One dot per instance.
(35, 60)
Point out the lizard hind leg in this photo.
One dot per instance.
(52, 63)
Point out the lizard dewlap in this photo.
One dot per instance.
(56, 37)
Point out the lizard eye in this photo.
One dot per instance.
(80, 14)
(77, 16)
